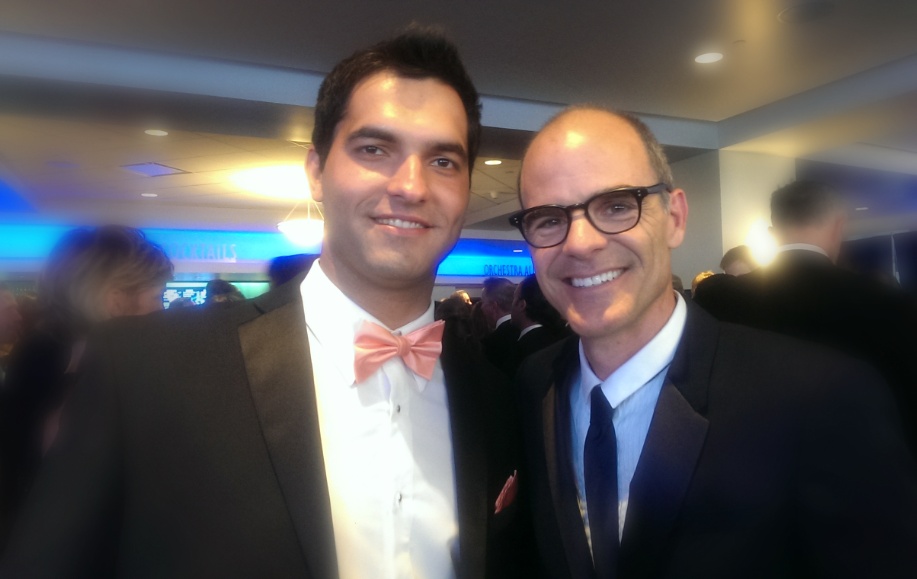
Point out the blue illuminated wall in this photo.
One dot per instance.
(469, 258)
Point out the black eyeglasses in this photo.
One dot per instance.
(614, 211)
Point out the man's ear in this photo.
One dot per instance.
(314, 174)
(678, 217)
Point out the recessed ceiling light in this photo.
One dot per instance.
(156, 132)
(278, 181)
(493, 162)
(149, 194)
(862, 208)
(517, 251)
(709, 58)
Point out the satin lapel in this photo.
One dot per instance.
(275, 347)
(464, 391)
(659, 486)
(555, 414)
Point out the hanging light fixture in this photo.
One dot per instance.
(306, 232)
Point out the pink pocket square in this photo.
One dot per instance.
(508, 494)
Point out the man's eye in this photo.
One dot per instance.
(443, 163)
(372, 150)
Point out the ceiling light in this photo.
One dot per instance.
(303, 232)
(493, 162)
(279, 181)
(156, 132)
(862, 208)
(149, 194)
(709, 58)
(517, 251)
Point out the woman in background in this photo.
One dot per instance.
(92, 275)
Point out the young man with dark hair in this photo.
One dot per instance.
(329, 428)
(497, 304)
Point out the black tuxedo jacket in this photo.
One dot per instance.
(498, 345)
(802, 294)
(764, 459)
(533, 341)
(193, 450)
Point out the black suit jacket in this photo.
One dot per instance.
(193, 450)
(533, 341)
(802, 294)
(498, 345)
(764, 459)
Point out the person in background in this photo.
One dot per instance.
(738, 261)
(329, 428)
(677, 284)
(286, 267)
(10, 326)
(539, 324)
(220, 291)
(92, 275)
(662, 443)
(704, 275)
(805, 294)
(497, 304)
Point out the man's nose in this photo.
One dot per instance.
(583, 237)
(409, 181)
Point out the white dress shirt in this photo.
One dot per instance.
(502, 320)
(632, 390)
(528, 329)
(387, 448)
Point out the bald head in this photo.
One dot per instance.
(574, 123)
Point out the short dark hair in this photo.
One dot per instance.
(803, 203)
(537, 307)
(500, 290)
(416, 53)
(738, 253)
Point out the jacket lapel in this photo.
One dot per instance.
(555, 415)
(671, 451)
(275, 348)
(469, 449)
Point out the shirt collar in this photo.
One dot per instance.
(527, 330)
(333, 320)
(803, 247)
(643, 366)
(503, 320)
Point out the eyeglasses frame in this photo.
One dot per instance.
(639, 193)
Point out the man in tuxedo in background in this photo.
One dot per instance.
(497, 304)
(315, 431)
(539, 323)
(662, 443)
(804, 293)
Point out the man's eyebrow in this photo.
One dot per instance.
(371, 133)
(450, 147)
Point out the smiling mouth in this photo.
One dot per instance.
(595, 280)
(401, 223)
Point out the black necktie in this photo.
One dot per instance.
(601, 469)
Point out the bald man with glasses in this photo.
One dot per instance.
(661, 443)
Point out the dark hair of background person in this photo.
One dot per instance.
(803, 203)
(286, 267)
(220, 291)
(737, 253)
(501, 291)
(654, 151)
(417, 53)
(537, 307)
(479, 326)
(85, 263)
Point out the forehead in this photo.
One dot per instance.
(582, 154)
(426, 106)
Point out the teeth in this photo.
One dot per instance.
(400, 224)
(596, 279)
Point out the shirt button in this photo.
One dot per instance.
(398, 409)
(398, 498)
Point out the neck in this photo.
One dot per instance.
(394, 306)
(609, 352)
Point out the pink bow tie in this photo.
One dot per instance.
(375, 345)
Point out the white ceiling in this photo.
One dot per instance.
(818, 90)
